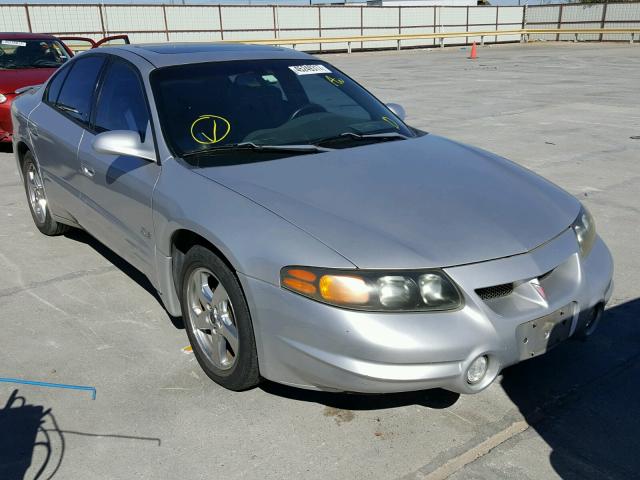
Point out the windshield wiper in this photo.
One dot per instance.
(231, 147)
(357, 136)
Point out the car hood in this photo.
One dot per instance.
(11, 80)
(418, 203)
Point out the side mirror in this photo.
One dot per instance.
(124, 142)
(397, 109)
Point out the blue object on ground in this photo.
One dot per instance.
(50, 385)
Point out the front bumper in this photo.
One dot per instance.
(311, 345)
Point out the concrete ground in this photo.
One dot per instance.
(71, 312)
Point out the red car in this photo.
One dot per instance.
(30, 59)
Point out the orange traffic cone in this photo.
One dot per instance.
(474, 52)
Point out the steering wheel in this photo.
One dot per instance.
(306, 110)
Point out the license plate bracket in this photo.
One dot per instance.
(538, 336)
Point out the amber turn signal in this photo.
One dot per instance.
(299, 285)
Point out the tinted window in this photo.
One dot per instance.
(275, 102)
(321, 91)
(53, 90)
(77, 91)
(121, 104)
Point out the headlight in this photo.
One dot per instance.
(2, 98)
(585, 229)
(378, 291)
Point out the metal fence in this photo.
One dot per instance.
(186, 23)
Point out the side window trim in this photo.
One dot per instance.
(98, 92)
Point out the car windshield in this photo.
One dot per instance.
(29, 53)
(212, 107)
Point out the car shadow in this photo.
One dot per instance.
(124, 266)
(122, 165)
(32, 443)
(435, 398)
(583, 398)
(23, 429)
(6, 147)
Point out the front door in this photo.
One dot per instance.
(118, 189)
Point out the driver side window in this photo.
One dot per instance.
(121, 104)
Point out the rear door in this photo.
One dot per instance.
(118, 188)
(56, 127)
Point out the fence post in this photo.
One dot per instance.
(104, 30)
(495, 39)
(361, 26)
(559, 22)
(604, 18)
(220, 21)
(434, 23)
(26, 10)
(320, 26)
(166, 24)
(466, 39)
(275, 22)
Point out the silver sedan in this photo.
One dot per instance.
(304, 232)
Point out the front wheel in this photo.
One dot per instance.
(217, 321)
(37, 197)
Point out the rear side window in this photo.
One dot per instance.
(122, 104)
(55, 85)
(77, 91)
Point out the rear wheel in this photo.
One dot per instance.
(37, 197)
(217, 321)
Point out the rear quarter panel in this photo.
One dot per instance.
(21, 108)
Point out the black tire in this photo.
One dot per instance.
(244, 374)
(45, 223)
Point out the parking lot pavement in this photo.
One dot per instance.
(71, 312)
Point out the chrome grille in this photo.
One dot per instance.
(495, 291)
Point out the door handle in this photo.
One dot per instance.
(88, 172)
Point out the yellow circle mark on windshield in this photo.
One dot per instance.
(338, 82)
(209, 129)
(391, 122)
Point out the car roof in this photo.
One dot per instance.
(167, 54)
(25, 36)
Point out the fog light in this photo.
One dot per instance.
(477, 369)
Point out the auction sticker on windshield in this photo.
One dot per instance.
(309, 69)
(14, 43)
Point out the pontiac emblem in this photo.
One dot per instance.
(538, 288)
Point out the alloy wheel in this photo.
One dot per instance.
(212, 319)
